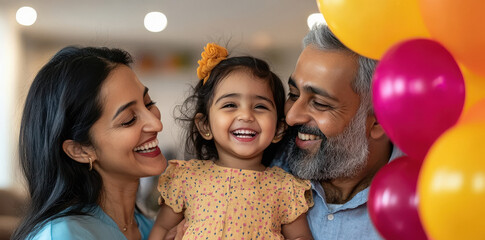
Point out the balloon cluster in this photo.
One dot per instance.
(429, 96)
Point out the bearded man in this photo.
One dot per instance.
(334, 138)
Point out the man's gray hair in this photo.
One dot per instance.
(320, 37)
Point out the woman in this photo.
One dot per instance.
(88, 134)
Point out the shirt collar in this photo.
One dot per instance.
(361, 197)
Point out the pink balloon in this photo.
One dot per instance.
(418, 93)
(393, 201)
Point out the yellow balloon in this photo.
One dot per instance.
(451, 185)
(371, 27)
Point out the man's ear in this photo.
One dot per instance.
(376, 130)
(202, 124)
(78, 152)
(280, 131)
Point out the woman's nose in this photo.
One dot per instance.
(153, 122)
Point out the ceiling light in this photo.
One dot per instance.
(26, 16)
(155, 21)
(315, 18)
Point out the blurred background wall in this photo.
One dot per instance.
(165, 61)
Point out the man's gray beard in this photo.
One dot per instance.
(341, 156)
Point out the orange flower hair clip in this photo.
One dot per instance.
(212, 55)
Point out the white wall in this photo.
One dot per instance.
(9, 68)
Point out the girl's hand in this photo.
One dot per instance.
(177, 233)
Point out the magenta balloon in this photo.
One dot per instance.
(393, 201)
(418, 92)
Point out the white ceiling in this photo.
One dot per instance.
(254, 23)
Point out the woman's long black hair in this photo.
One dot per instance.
(201, 99)
(63, 103)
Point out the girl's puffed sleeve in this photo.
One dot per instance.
(297, 198)
(171, 185)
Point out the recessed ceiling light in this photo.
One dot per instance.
(26, 16)
(315, 18)
(155, 21)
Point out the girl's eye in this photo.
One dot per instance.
(129, 123)
(229, 105)
(151, 103)
(261, 107)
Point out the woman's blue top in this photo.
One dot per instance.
(96, 225)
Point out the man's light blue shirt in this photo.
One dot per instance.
(348, 221)
(98, 225)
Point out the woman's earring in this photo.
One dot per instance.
(207, 134)
(90, 163)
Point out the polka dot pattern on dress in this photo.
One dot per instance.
(227, 203)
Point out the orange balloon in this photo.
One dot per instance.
(371, 27)
(476, 113)
(458, 25)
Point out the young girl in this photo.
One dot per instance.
(231, 194)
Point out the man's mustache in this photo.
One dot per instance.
(293, 131)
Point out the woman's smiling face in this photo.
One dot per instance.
(125, 136)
